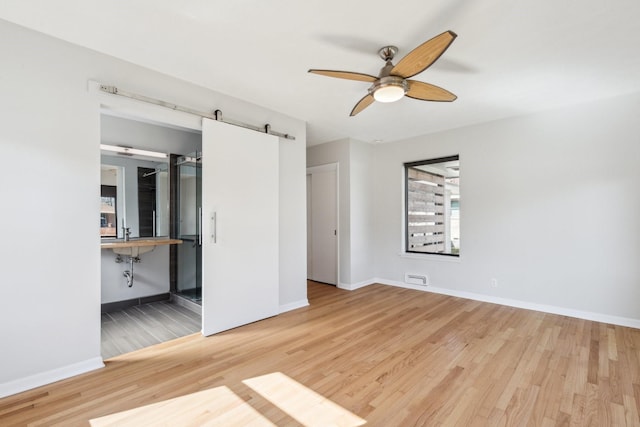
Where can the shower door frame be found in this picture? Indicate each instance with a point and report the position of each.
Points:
(176, 185)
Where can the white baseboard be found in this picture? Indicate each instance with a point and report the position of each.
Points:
(48, 377)
(293, 305)
(579, 314)
(354, 286)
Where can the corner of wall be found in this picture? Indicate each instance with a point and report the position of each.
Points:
(354, 286)
(293, 306)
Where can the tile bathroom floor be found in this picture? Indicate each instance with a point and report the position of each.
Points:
(145, 325)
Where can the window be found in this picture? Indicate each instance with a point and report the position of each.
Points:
(108, 219)
(432, 206)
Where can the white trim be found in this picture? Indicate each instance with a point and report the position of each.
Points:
(47, 377)
(551, 309)
(142, 111)
(338, 225)
(354, 286)
(293, 305)
(322, 168)
(430, 257)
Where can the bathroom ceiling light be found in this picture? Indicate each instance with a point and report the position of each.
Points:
(130, 151)
(187, 159)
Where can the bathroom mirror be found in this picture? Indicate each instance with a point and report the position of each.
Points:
(134, 193)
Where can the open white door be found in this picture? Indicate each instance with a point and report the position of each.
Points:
(240, 226)
(323, 224)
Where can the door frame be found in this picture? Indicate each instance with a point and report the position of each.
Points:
(329, 167)
(133, 109)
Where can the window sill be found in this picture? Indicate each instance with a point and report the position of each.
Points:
(430, 257)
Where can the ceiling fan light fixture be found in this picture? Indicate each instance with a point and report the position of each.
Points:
(388, 94)
(389, 89)
(393, 81)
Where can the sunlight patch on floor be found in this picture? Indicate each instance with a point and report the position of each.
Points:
(301, 403)
(220, 406)
(214, 407)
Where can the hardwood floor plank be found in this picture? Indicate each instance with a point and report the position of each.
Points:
(388, 356)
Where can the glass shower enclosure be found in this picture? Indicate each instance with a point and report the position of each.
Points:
(189, 266)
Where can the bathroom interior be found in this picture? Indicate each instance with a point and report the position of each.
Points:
(150, 223)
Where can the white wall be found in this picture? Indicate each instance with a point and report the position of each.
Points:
(355, 219)
(49, 133)
(150, 276)
(293, 220)
(361, 176)
(550, 207)
(338, 152)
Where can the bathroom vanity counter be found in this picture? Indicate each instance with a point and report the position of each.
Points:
(135, 242)
(137, 246)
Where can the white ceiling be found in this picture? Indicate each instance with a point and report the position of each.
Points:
(511, 57)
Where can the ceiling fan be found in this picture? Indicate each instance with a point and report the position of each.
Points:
(393, 81)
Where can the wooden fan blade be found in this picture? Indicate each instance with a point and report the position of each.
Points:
(428, 92)
(345, 75)
(421, 58)
(362, 104)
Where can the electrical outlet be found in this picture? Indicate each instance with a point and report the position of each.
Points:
(494, 282)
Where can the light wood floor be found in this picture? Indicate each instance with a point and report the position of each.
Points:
(381, 355)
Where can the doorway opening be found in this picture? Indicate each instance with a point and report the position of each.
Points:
(322, 224)
(141, 201)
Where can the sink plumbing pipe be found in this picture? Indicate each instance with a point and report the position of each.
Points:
(129, 273)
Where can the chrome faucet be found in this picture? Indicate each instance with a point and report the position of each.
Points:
(126, 233)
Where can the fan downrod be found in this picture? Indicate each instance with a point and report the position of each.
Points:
(387, 53)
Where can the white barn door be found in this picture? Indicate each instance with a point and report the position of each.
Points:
(240, 181)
